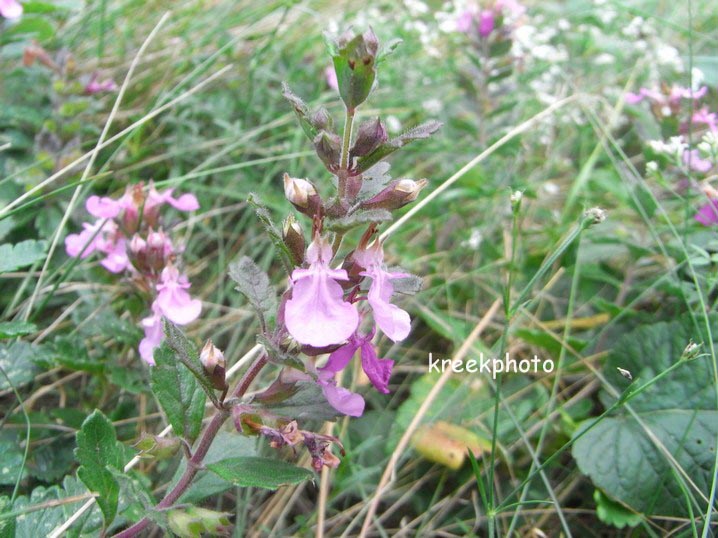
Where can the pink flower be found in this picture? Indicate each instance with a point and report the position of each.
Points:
(693, 159)
(116, 260)
(153, 334)
(10, 9)
(708, 213)
(465, 21)
(377, 370)
(708, 118)
(155, 199)
(317, 314)
(672, 98)
(341, 399)
(391, 319)
(513, 7)
(486, 22)
(173, 301)
(331, 76)
(86, 242)
(99, 86)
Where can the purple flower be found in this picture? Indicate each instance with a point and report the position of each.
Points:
(153, 334)
(486, 22)
(116, 260)
(693, 159)
(10, 9)
(708, 213)
(708, 118)
(660, 98)
(317, 314)
(173, 301)
(86, 242)
(155, 199)
(391, 319)
(341, 399)
(99, 86)
(377, 370)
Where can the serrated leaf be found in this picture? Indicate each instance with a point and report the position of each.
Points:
(258, 472)
(178, 392)
(21, 254)
(254, 284)
(11, 329)
(679, 410)
(98, 450)
(359, 218)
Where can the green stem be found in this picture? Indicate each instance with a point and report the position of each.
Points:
(348, 123)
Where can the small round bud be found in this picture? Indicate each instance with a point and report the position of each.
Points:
(214, 365)
(302, 194)
(596, 215)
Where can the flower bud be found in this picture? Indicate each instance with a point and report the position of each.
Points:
(293, 237)
(595, 215)
(156, 447)
(214, 365)
(321, 120)
(328, 147)
(159, 250)
(355, 65)
(397, 194)
(302, 194)
(371, 135)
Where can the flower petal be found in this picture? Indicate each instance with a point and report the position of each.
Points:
(103, 208)
(343, 400)
(391, 319)
(186, 202)
(377, 370)
(317, 314)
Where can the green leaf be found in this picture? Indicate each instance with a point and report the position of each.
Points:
(425, 130)
(38, 27)
(257, 472)
(98, 450)
(16, 362)
(254, 284)
(11, 329)
(178, 392)
(679, 410)
(613, 513)
(20, 255)
(188, 355)
(276, 237)
(358, 219)
(355, 66)
(207, 484)
(301, 400)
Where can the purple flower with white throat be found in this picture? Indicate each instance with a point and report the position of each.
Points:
(391, 319)
(317, 314)
(173, 300)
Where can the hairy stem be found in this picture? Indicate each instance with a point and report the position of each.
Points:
(344, 162)
(195, 462)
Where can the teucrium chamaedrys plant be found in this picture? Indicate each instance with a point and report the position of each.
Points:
(338, 299)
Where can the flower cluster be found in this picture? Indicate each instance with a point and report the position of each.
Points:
(668, 105)
(337, 303)
(496, 16)
(128, 234)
